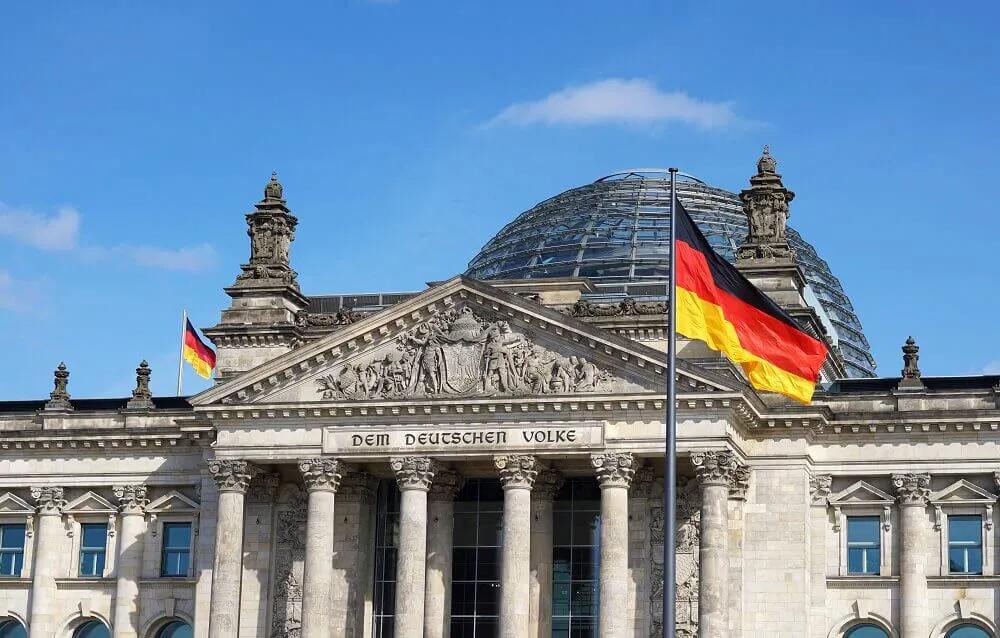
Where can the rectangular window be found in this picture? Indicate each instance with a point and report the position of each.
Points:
(864, 546)
(965, 544)
(176, 556)
(11, 549)
(93, 548)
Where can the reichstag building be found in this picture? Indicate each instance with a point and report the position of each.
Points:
(484, 458)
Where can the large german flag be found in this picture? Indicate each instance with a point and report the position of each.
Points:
(716, 304)
(200, 356)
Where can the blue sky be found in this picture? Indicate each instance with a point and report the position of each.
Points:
(134, 136)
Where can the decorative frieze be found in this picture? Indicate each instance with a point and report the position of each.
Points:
(627, 307)
(321, 474)
(413, 472)
(819, 488)
(49, 500)
(232, 476)
(614, 469)
(131, 498)
(516, 470)
(912, 488)
(547, 484)
(446, 486)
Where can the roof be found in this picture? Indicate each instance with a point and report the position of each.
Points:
(94, 405)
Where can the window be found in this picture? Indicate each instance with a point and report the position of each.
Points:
(386, 545)
(475, 573)
(11, 550)
(92, 629)
(93, 549)
(965, 544)
(866, 631)
(576, 535)
(863, 545)
(175, 559)
(968, 631)
(11, 629)
(175, 629)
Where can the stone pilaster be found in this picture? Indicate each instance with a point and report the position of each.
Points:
(517, 475)
(47, 556)
(440, 531)
(414, 475)
(913, 491)
(232, 478)
(716, 471)
(614, 473)
(258, 545)
(543, 493)
(132, 503)
(819, 490)
(640, 544)
(351, 569)
(322, 478)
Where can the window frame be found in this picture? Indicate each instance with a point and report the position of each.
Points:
(947, 542)
(172, 507)
(963, 498)
(90, 508)
(15, 511)
(877, 518)
(162, 525)
(5, 522)
(81, 549)
(863, 499)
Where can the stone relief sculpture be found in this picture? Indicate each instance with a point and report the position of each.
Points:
(271, 228)
(344, 317)
(765, 204)
(687, 539)
(626, 307)
(458, 354)
(289, 560)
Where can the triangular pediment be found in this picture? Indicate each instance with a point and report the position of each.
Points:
(173, 501)
(11, 504)
(89, 503)
(962, 492)
(861, 493)
(461, 339)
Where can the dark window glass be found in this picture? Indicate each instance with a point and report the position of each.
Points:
(175, 560)
(968, 631)
(386, 544)
(863, 545)
(475, 589)
(965, 544)
(93, 549)
(866, 631)
(176, 629)
(11, 549)
(576, 559)
(12, 629)
(92, 629)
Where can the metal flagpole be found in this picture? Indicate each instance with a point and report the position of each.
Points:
(180, 355)
(670, 460)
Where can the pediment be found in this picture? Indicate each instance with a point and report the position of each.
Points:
(962, 492)
(860, 493)
(11, 504)
(461, 339)
(89, 503)
(173, 501)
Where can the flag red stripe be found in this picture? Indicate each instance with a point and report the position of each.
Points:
(192, 341)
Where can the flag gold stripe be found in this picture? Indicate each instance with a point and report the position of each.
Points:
(200, 366)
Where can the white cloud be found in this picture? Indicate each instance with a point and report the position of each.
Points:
(58, 232)
(993, 367)
(19, 295)
(617, 101)
(194, 259)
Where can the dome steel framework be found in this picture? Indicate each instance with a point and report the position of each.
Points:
(615, 231)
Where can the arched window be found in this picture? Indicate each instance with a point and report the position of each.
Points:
(968, 631)
(10, 628)
(92, 629)
(176, 629)
(866, 631)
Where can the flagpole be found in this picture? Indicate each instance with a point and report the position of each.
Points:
(180, 355)
(670, 458)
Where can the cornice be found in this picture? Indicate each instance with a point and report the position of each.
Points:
(95, 439)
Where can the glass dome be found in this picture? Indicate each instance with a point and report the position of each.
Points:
(616, 232)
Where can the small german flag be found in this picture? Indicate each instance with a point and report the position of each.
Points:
(200, 356)
(718, 305)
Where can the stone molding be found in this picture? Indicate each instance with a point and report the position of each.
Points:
(131, 498)
(413, 472)
(547, 484)
(50, 500)
(357, 487)
(819, 488)
(321, 475)
(715, 467)
(232, 476)
(446, 486)
(614, 469)
(642, 483)
(516, 470)
(263, 487)
(912, 488)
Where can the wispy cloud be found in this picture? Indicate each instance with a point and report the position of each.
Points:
(993, 367)
(20, 295)
(61, 233)
(617, 101)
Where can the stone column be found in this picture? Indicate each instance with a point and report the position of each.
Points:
(322, 477)
(132, 503)
(913, 491)
(543, 493)
(614, 473)
(517, 474)
(231, 480)
(48, 532)
(414, 475)
(440, 530)
(715, 470)
(819, 490)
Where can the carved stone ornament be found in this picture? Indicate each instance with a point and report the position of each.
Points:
(457, 354)
(142, 397)
(642, 483)
(59, 397)
(614, 469)
(740, 482)
(321, 474)
(232, 476)
(819, 488)
(49, 499)
(912, 488)
(547, 485)
(765, 204)
(357, 487)
(688, 534)
(516, 470)
(413, 472)
(446, 486)
(346, 317)
(911, 371)
(271, 228)
(131, 498)
(263, 487)
(627, 307)
(715, 467)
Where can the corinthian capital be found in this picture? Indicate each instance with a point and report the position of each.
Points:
(232, 476)
(819, 488)
(321, 475)
(413, 472)
(614, 469)
(516, 470)
(716, 467)
(446, 485)
(50, 499)
(547, 484)
(912, 488)
(131, 498)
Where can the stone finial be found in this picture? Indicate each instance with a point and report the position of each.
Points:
(446, 486)
(413, 472)
(271, 228)
(912, 488)
(910, 357)
(273, 190)
(321, 474)
(49, 499)
(516, 470)
(819, 488)
(614, 469)
(59, 397)
(131, 498)
(142, 397)
(232, 476)
(765, 204)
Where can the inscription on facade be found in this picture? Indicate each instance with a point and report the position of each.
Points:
(507, 438)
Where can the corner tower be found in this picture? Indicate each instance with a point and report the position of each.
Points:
(259, 324)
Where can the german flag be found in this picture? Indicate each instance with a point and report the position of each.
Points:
(718, 305)
(200, 356)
